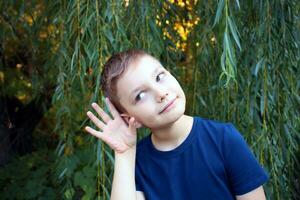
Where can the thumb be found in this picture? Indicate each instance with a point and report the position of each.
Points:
(132, 127)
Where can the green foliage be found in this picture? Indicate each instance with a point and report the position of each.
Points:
(29, 177)
(250, 47)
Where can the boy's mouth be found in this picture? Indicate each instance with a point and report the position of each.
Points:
(168, 105)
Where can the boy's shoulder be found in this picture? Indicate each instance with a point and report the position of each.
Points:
(212, 126)
(220, 129)
(212, 122)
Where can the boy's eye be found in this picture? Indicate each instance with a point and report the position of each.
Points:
(138, 97)
(141, 94)
(160, 76)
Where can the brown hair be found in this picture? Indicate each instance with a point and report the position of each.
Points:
(113, 70)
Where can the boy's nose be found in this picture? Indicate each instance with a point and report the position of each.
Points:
(161, 96)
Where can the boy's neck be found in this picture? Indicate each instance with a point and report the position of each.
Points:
(168, 138)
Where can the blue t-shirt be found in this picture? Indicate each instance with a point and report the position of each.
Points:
(213, 162)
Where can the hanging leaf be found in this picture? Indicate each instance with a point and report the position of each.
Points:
(219, 12)
(234, 32)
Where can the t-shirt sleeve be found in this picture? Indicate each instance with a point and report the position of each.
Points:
(244, 172)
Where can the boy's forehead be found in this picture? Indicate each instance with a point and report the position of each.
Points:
(144, 61)
(141, 68)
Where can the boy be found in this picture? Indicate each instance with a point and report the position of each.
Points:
(184, 157)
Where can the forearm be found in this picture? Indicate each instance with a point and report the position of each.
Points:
(257, 194)
(123, 186)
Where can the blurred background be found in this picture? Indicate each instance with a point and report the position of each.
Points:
(238, 61)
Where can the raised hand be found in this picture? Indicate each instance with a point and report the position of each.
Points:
(114, 132)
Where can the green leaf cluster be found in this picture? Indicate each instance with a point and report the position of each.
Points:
(241, 65)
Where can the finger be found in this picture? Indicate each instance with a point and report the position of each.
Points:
(132, 126)
(112, 108)
(105, 117)
(96, 121)
(107, 140)
(93, 132)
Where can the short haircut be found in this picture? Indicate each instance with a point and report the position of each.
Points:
(113, 69)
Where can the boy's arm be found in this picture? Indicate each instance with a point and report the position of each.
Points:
(140, 195)
(121, 137)
(123, 186)
(257, 194)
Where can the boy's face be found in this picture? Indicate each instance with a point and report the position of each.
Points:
(145, 89)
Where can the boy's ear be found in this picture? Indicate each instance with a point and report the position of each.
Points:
(127, 117)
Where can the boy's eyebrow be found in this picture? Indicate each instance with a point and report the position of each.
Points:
(136, 89)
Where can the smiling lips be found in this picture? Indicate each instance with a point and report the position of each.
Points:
(168, 105)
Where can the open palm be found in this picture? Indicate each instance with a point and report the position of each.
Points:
(114, 132)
